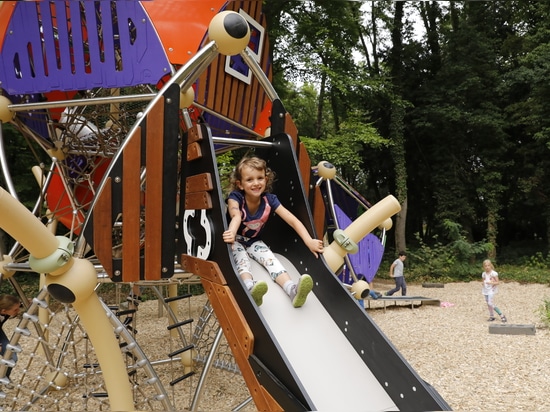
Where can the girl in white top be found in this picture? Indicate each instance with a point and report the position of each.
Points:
(490, 282)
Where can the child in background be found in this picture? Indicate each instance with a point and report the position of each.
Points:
(397, 273)
(490, 282)
(373, 293)
(249, 206)
(9, 308)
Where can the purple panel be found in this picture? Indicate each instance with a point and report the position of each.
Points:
(42, 52)
(367, 260)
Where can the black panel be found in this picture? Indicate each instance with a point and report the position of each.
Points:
(405, 387)
(194, 232)
(170, 178)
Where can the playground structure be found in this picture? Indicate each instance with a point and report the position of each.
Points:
(131, 116)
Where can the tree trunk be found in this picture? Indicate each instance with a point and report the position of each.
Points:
(320, 104)
(492, 231)
(400, 222)
(396, 127)
(398, 155)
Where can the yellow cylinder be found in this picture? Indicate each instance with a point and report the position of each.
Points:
(109, 355)
(6, 115)
(22, 225)
(360, 227)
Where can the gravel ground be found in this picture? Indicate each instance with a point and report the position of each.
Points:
(450, 346)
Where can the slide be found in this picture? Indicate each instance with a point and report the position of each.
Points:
(327, 355)
(331, 371)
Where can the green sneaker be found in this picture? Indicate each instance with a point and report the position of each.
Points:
(258, 291)
(299, 292)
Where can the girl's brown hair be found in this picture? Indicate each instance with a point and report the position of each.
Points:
(8, 301)
(256, 163)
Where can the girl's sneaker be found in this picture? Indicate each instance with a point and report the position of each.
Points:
(258, 291)
(492, 318)
(503, 319)
(298, 293)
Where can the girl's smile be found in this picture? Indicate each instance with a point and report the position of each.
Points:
(253, 182)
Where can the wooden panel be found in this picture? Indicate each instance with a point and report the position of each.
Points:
(228, 95)
(200, 182)
(240, 339)
(291, 129)
(319, 212)
(212, 80)
(131, 206)
(207, 269)
(304, 163)
(196, 201)
(251, 101)
(194, 135)
(103, 239)
(194, 151)
(154, 191)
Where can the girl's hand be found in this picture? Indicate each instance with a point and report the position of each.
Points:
(315, 246)
(228, 236)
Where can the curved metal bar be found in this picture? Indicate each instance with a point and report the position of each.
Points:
(186, 73)
(206, 370)
(94, 101)
(4, 165)
(226, 119)
(241, 142)
(259, 73)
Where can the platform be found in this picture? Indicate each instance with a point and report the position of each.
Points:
(409, 300)
(512, 329)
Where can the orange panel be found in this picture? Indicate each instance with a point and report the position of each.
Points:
(131, 206)
(319, 212)
(182, 25)
(103, 235)
(6, 10)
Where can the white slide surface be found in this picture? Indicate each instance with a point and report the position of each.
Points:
(332, 373)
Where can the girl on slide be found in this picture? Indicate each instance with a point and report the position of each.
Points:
(249, 206)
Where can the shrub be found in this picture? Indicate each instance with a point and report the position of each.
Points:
(544, 312)
(456, 260)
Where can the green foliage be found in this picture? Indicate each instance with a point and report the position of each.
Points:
(29, 283)
(544, 312)
(225, 167)
(348, 158)
(522, 274)
(456, 260)
(539, 261)
(21, 156)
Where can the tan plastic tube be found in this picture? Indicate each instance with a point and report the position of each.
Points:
(79, 277)
(360, 227)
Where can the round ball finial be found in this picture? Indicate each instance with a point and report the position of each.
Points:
(187, 98)
(230, 31)
(6, 115)
(360, 289)
(386, 224)
(326, 170)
